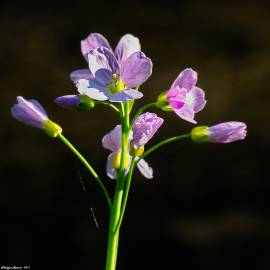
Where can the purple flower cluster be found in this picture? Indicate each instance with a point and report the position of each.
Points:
(115, 76)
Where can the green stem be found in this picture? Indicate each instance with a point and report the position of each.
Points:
(125, 197)
(141, 110)
(166, 141)
(88, 166)
(113, 237)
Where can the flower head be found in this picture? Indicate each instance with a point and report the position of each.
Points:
(221, 133)
(143, 130)
(30, 112)
(184, 97)
(112, 75)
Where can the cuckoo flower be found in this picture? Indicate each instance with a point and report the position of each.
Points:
(114, 80)
(184, 97)
(30, 112)
(143, 130)
(126, 46)
(221, 133)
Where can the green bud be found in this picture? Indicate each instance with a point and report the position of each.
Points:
(51, 128)
(200, 134)
(162, 102)
(86, 103)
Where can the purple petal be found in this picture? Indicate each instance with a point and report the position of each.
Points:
(186, 79)
(92, 89)
(92, 42)
(227, 132)
(68, 101)
(30, 112)
(195, 99)
(136, 70)
(176, 97)
(144, 128)
(186, 113)
(127, 45)
(103, 64)
(110, 170)
(80, 74)
(145, 169)
(125, 95)
(112, 140)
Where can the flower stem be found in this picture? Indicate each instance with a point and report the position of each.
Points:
(88, 166)
(108, 104)
(113, 237)
(166, 141)
(141, 110)
(125, 197)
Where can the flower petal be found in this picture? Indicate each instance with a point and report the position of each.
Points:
(186, 113)
(112, 140)
(92, 89)
(68, 101)
(30, 112)
(227, 132)
(110, 170)
(92, 42)
(103, 61)
(80, 74)
(195, 98)
(145, 169)
(125, 95)
(127, 45)
(136, 69)
(186, 79)
(176, 97)
(144, 128)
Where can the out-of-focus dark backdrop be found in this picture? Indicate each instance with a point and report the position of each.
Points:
(208, 205)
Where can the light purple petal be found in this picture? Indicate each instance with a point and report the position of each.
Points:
(186, 79)
(30, 112)
(127, 45)
(125, 95)
(176, 97)
(92, 89)
(227, 132)
(68, 101)
(144, 128)
(81, 74)
(145, 169)
(112, 140)
(186, 113)
(103, 64)
(195, 98)
(136, 70)
(92, 42)
(110, 170)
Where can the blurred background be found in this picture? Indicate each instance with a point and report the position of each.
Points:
(207, 206)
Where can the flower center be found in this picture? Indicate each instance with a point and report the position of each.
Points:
(116, 85)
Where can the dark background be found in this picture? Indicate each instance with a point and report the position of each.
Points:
(208, 205)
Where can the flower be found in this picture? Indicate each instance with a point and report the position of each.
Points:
(183, 97)
(80, 102)
(143, 130)
(221, 133)
(127, 45)
(30, 112)
(113, 75)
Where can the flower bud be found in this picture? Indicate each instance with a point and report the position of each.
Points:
(221, 133)
(30, 112)
(80, 102)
